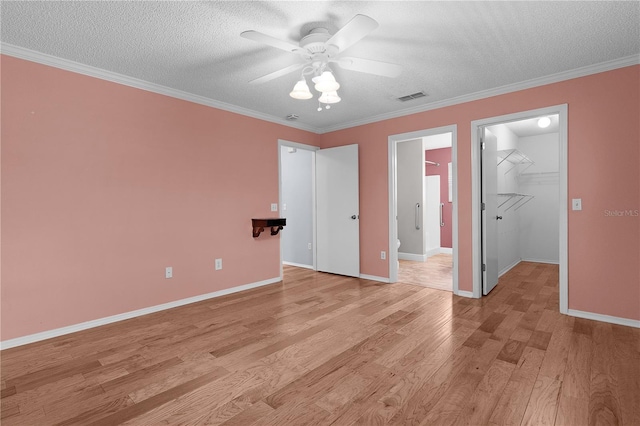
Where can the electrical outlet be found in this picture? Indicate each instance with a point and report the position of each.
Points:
(309, 246)
(218, 264)
(274, 207)
(168, 272)
(383, 255)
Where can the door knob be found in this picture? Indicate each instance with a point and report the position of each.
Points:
(354, 217)
(498, 217)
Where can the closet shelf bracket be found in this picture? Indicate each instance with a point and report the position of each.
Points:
(515, 158)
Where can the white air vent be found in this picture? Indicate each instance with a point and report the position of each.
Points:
(412, 96)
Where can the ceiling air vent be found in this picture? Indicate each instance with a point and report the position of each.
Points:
(292, 117)
(412, 96)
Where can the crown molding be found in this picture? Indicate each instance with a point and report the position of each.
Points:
(67, 65)
(528, 84)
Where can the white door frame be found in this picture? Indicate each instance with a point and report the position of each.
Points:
(476, 261)
(313, 149)
(393, 224)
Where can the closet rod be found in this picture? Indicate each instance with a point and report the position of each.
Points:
(432, 163)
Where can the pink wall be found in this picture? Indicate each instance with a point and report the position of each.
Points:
(104, 185)
(603, 153)
(443, 157)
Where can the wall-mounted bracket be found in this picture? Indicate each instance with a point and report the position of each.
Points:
(276, 224)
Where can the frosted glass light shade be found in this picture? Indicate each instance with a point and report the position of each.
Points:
(326, 82)
(544, 122)
(301, 90)
(330, 98)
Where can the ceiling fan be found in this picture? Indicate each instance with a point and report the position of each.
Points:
(318, 49)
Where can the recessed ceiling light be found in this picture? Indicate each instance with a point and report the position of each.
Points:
(544, 122)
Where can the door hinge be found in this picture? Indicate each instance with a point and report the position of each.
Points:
(482, 206)
(484, 267)
(482, 146)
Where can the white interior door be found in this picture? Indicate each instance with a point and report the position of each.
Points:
(337, 205)
(432, 214)
(490, 216)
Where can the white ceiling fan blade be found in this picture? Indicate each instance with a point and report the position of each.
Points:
(358, 27)
(270, 41)
(276, 74)
(368, 66)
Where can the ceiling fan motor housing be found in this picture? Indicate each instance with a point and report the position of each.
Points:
(319, 48)
(314, 42)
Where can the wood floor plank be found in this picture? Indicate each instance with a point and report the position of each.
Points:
(157, 400)
(323, 349)
(515, 397)
(541, 409)
(604, 407)
(462, 386)
(250, 416)
(430, 391)
(478, 408)
(409, 377)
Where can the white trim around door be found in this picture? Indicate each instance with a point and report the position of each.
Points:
(476, 240)
(393, 226)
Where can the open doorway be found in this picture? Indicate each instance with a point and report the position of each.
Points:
(318, 193)
(520, 195)
(422, 211)
(296, 163)
(297, 204)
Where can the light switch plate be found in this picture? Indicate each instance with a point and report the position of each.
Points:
(274, 207)
(576, 204)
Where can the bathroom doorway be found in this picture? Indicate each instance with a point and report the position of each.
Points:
(422, 183)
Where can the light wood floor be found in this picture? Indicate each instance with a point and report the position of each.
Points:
(321, 349)
(436, 272)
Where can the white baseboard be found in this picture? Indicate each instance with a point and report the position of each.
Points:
(297, 265)
(413, 257)
(433, 252)
(424, 257)
(19, 341)
(550, 262)
(374, 278)
(463, 293)
(510, 267)
(604, 318)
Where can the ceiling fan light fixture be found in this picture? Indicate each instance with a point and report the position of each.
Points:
(544, 122)
(301, 90)
(330, 98)
(326, 82)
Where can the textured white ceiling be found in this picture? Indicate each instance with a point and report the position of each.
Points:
(447, 49)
